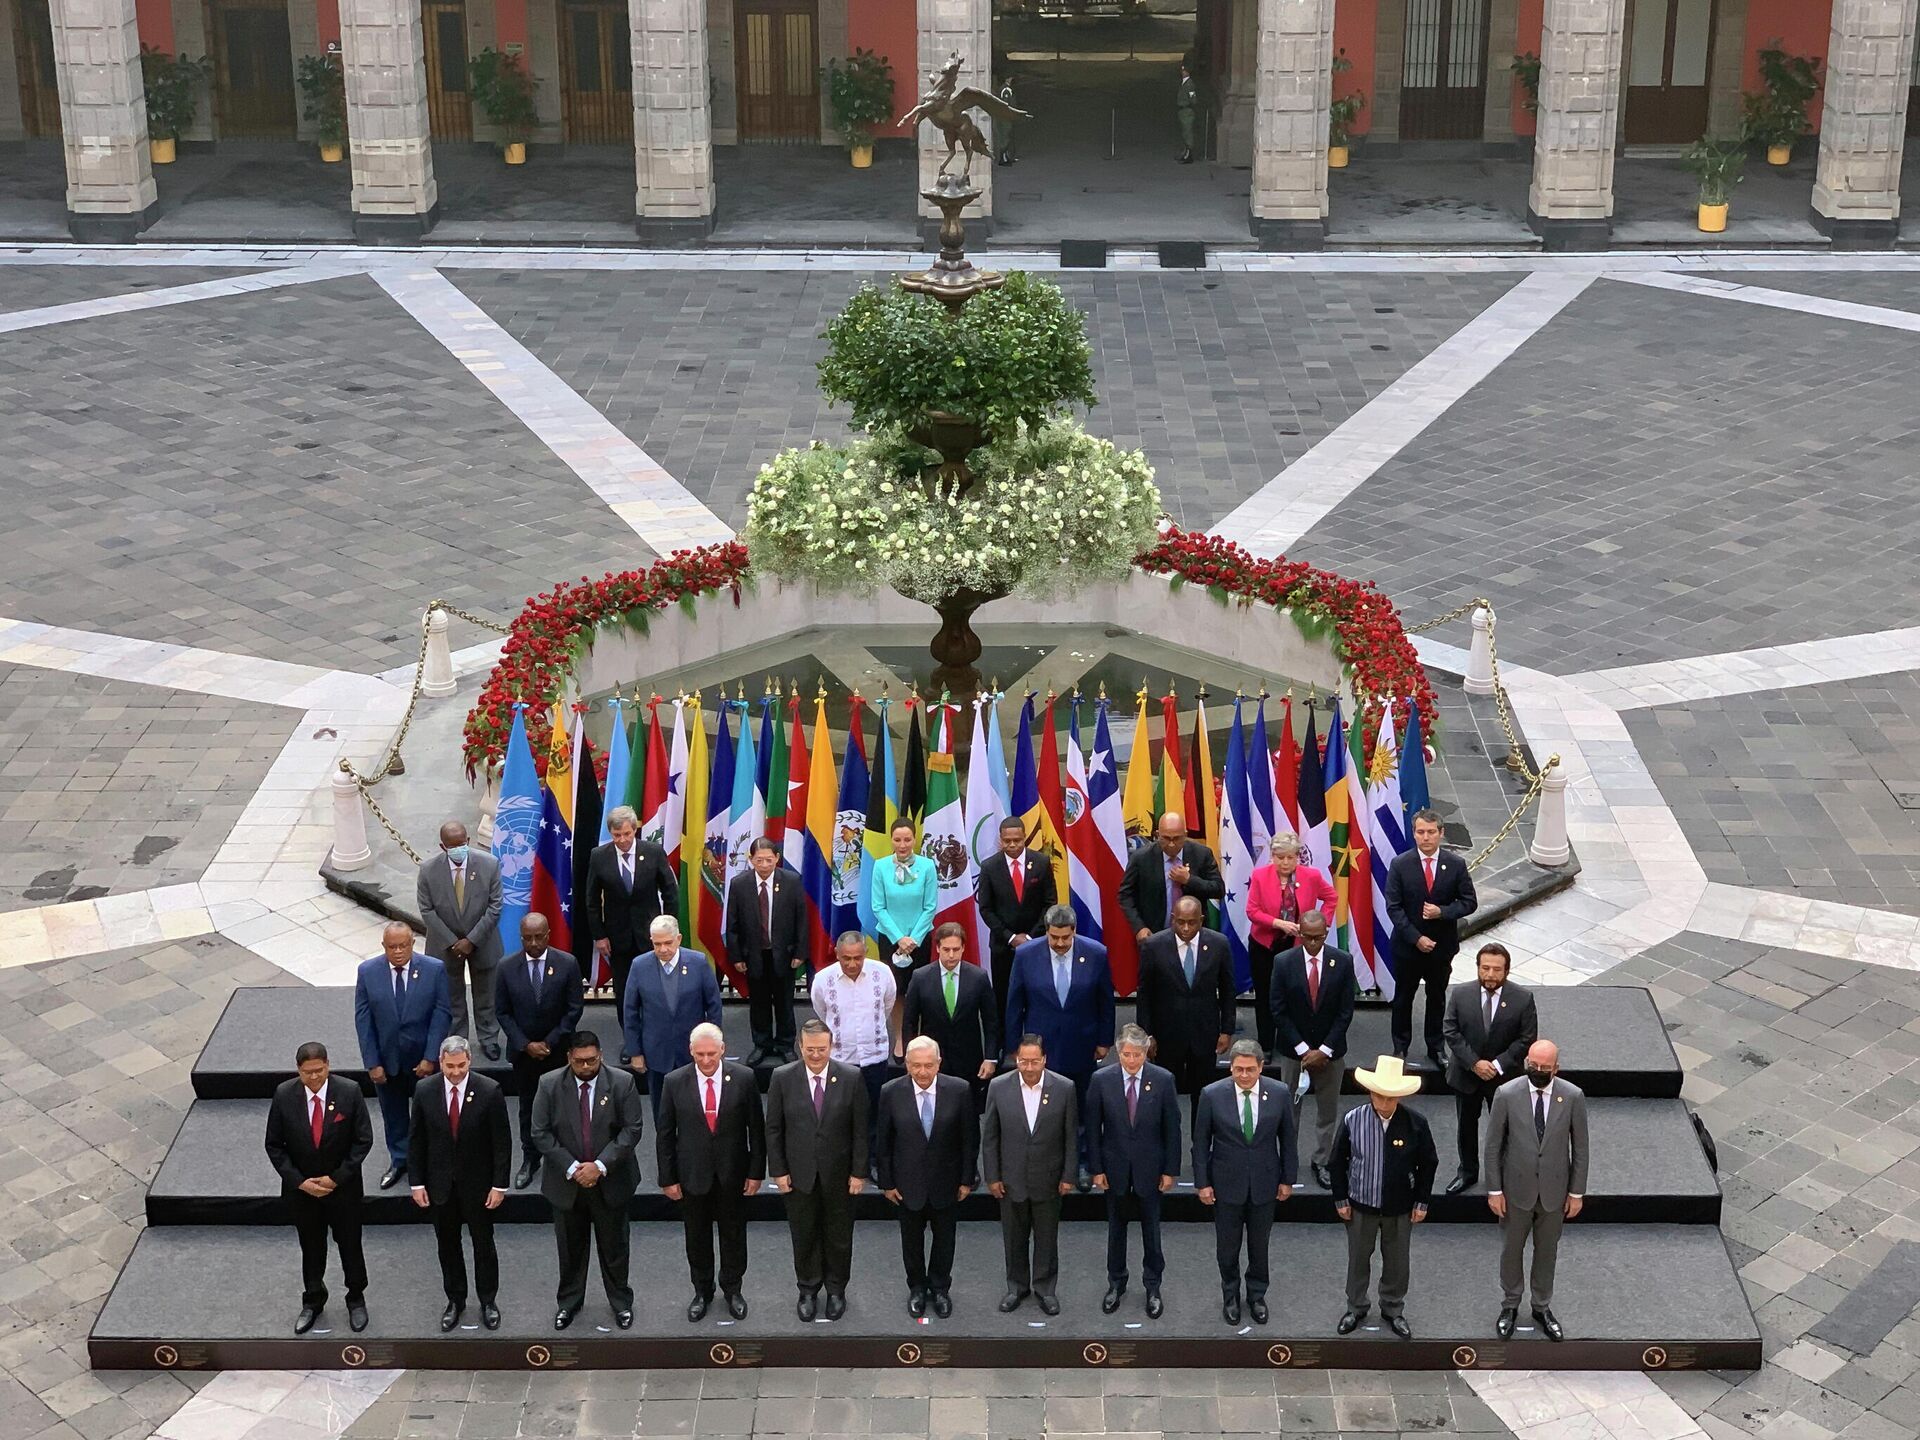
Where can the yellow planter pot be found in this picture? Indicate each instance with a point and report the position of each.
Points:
(1713, 218)
(516, 153)
(161, 151)
(331, 154)
(862, 156)
(1779, 154)
(1337, 157)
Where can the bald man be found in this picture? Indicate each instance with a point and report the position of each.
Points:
(1160, 873)
(1536, 1169)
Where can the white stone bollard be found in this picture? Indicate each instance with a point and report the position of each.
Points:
(1550, 847)
(350, 849)
(1479, 679)
(436, 668)
(489, 802)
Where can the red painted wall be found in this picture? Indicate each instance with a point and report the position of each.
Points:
(889, 28)
(1353, 32)
(156, 23)
(1803, 27)
(1526, 39)
(510, 24)
(327, 22)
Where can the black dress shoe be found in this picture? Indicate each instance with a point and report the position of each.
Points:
(1230, 1310)
(1503, 1327)
(356, 1315)
(1460, 1182)
(1350, 1322)
(563, 1317)
(807, 1307)
(1010, 1301)
(942, 1304)
(916, 1303)
(1258, 1310)
(1323, 1177)
(1085, 1180)
(490, 1050)
(1434, 1062)
(1550, 1325)
(523, 1177)
(757, 1056)
(392, 1176)
(697, 1308)
(450, 1316)
(489, 1314)
(1110, 1301)
(303, 1322)
(836, 1305)
(737, 1305)
(623, 1318)
(1048, 1304)
(1155, 1305)
(1398, 1324)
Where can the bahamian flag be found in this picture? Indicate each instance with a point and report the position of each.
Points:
(516, 831)
(1236, 854)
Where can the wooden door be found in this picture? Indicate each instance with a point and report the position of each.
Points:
(253, 91)
(33, 54)
(1443, 79)
(443, 25)
(596, 92)
(1913, 96)
(777, 70)
(1668, 56)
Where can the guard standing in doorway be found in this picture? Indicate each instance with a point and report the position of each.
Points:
(1003, 130)
(1186, 104)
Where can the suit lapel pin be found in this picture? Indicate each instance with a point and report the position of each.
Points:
(603, 1099)
(416, 973)
(549, 972)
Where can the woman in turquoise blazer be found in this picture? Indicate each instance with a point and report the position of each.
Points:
(905, 893)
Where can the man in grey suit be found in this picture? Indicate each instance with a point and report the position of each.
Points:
(459, 899)
(586, 1126)
(817, 1157)
(1028, 1151)
(1536, 1168)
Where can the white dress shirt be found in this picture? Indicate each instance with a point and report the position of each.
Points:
(1030, 1102)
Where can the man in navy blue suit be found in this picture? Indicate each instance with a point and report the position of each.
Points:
(401, 1013)
(1244, 1159)
(1133, 1147)
(667, 995)
(538, 999)
(1061, 990)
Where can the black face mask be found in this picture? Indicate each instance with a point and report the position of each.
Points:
(1540, 1078)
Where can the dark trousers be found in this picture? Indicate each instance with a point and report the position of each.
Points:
(723, 1208)
(1253, 1220)
(622, 966)
(873, 1077)
(1467, 1107)
(1080, 1084)
(1030, 1230)
(592, 1223)
(929, 1271)
(1409, 971)
(821, 1222)
(1153, 1261)
(526, 1079)
(1261, 958)
(396, 1112)
(770, 1001)
(1002, 966)
(447, 1220)
(313, 1218)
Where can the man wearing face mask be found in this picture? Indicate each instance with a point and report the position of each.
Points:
(1536, 1167)
(458, 892)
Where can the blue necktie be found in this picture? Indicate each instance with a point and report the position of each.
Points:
(1062, 978)
(926, 1113)
(1186, 962)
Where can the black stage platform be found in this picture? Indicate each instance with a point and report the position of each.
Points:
(1631, 1297)
(1611, 1039)
(1647, 1166)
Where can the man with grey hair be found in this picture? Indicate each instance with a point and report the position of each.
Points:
(712, 1148)
(1133, 1145)
(928, 1159)
(628, 883)
(1244, 1160)
(1061, 990)
(459, 1150)
(856, 1000)
(667, 994)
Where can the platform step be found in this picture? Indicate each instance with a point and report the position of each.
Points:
(1611, 1039)
(1648, 1167)
(1630, 1297)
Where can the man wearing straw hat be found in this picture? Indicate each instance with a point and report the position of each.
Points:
(1383, 1168)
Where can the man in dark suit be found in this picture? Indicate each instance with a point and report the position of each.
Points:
(1429, 893)
(1490, 1023)
(952, 1001)
(1027, 1150)
(539, 997)
(586, 1125)
(712, 1144)
(929, 1150)
(629, 883)
(669, 991)
(1186, 998)
(766, 931)
(1244, 1160)
(817, 1156)
(1313, 991)
(458, 892)
(1383, 1166)
(400, 1014)
(318, 1133)
(1160, 873)
(1061, 990)
(458, 1152)
(1015, 891)
(1133, 1145)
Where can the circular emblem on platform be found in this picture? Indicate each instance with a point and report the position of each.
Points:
(721, 1354)
(352, 1356)
(166, 1356)
(1095, 1354)
(1279, 1354)
(538, 1356)
(1465, 1357)
(908, 1354)
(1653, 1357)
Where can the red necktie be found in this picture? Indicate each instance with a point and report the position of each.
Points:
(318, 1129)
(1429, 864)
(1018, 869)
(1313, 981)
(453, 1112)
(713, 1106)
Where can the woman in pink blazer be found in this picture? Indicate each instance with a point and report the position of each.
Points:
(1278, 896)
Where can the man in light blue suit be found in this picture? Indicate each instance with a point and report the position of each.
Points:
(1060, 989)
(666, 997)
(401, 1013)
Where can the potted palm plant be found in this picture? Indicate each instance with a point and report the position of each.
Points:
(1341, 114)
(860, 95)
(173, 97)
(1777, 116)
(323, 88)
(503, 90)
(1717, 165)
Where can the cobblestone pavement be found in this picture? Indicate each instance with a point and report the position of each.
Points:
(1894, 292)
(32, 287)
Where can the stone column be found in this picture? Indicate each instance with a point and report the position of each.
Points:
(1295, 81)
(1570, 203)
(947, 26)
(672, 126)
(395, 198)
(1503, 43)
(1856, 190)
(1239, 83)
(103, 119)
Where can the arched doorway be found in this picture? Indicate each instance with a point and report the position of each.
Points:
(1669, 54)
